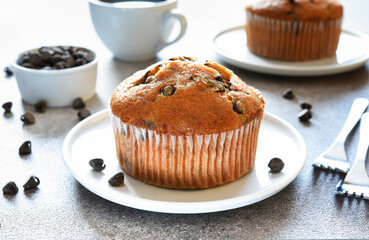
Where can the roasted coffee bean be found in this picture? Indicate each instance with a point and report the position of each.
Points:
(276, 165)
(47, 68)
(8, 107)
(288, 94)
(10, 188)
(239, 107)
(117, 180)
(83, 113)
(68, 60)
(28, 118)
(150, 79)
(40, 106)
(306, 105)
(35, 58)
(305, 115)
(28, 65)
(32, 182)
(168, 91)
(8, 72)
(97, 164)
(56, 58)
(25, 148)
(79, 62)
(78, 103)
(292, 1)
(59, 65)
(24, 59)
(58, 50)
(46, 55)
(219, 86)
(79, 54)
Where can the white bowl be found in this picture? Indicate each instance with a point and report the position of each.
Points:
(59, 88)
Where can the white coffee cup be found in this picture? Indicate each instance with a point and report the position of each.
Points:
(136, 30)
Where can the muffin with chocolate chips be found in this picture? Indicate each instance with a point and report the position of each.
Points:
(293, 29)
(182, 123)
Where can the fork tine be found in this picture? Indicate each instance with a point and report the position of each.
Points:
(334, 159)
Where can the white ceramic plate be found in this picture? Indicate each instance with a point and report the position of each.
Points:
(93, 137)
(352, 52)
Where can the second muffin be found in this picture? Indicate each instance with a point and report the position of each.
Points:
(185, 124)
(293, 29)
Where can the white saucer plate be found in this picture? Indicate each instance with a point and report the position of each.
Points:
(352, 53)
(93, 138)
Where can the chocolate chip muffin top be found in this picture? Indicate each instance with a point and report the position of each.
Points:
(301, 10)
(183, 96)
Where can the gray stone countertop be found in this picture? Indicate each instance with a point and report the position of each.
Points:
(61, 208)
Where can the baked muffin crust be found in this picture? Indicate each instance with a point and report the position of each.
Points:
(302, 10)
(183, 96)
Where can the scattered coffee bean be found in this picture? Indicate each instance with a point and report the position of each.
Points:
(78, 103)
(60, 57)
(288, 94)
(25, 148)
(306, 105)
(117, 180)
(83, 113)
(40, 106)
(8, 72)
(10, 188)
(8, 107)
(276, 165)
(32, 182)
(150, 79)
(305, 115)
(97, 164)
(168, 91)
(28, 118)
(239, 107)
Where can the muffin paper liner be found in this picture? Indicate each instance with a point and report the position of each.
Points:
(290, 39)
(185, 162)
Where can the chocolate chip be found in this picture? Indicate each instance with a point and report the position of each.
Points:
(288, 94)
(8, 72)
(239, 107)
(150, 79)
(97, 164)
(78, 103)
(276, 165)
(25, 148)
(168, 91)
(306, 105)
(305, 115)
(150, 124)
(219, 86)
(10, 188)
(8, 107)
(32, 182)
(219, 77)
(83, 113)
(28, 118)
(117, 180)
(40, 106)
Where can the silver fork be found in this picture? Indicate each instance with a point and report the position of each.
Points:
(356, 182)
(335, 158)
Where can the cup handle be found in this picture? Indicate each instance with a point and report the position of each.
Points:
(183, 24)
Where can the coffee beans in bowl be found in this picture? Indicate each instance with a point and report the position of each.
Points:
(56, 74)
